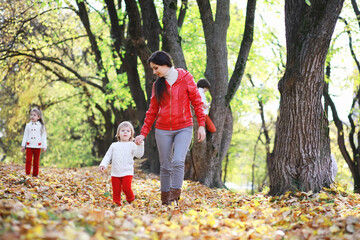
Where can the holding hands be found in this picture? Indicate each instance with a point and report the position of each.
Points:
(139, 139)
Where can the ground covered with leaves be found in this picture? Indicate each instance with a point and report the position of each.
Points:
(76, 204)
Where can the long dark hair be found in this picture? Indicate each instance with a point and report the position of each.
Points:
(160, 58)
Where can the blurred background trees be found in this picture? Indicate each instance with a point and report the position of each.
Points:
(83, 64)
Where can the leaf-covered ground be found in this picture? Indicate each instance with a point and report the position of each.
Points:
(76, 204)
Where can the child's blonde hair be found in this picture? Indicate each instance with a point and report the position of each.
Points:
(125, 124)
(41, 118)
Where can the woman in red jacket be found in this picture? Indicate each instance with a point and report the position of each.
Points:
(172, 93)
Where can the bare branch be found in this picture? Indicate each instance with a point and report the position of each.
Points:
(246, 43)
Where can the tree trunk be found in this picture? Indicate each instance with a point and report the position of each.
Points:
(152, 163)
(151, 26)
(301, 155)
(207, 156)
(352, 162)
(171, 39)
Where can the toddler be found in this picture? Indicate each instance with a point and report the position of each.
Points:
(121, 155)
(204, 86)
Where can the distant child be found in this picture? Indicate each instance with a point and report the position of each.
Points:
(204, 86)
(34, 140)
(121, 156)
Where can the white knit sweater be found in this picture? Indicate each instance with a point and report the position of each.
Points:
(203, 99)
(121, 156)
(33, 137)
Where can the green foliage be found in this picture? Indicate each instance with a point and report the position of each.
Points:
(70, 138)
(193, 42)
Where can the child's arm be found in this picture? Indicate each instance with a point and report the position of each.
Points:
(26, 133)
(138, 150)
(107, 158)
(206, 105)
(44, 140)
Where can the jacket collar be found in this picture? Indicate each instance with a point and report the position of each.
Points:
(181, 74)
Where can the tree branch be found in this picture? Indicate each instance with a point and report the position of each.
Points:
(246, 43)
(53, 60)
(350, 43)
(182, 13)
(356, 11)
(340, 133)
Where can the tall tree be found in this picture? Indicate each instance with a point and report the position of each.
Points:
(352, 159)
(206, 157)
(301, 154)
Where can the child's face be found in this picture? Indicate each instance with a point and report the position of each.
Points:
(34, 117)
(205, 89)
(125, 134)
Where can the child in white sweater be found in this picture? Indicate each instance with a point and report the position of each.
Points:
(33, 141)
(121, 156)
(204, 86)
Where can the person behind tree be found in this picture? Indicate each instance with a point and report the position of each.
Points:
(33, 141)
(204, 86)
(334, 167)
(172, 93)
(121, 156)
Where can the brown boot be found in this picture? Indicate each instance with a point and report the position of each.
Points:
(174, 196)
(165, 198)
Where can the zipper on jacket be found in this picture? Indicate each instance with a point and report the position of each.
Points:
(170, 110)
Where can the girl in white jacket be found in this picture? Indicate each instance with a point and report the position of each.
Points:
(121, 156)
(33, 141)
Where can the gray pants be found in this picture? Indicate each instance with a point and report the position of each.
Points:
(172, 146)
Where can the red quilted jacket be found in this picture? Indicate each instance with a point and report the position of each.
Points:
(174, 110)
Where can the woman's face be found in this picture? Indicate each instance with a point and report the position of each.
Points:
(159, 70)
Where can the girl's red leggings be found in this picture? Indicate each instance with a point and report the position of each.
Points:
(122, 184)
(30, 152)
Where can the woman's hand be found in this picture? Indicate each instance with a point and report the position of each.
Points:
(102, 169)
(201, 134)
(139, 139)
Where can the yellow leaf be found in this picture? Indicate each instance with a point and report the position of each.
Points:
(256, 203)
(192, 212)
(304, 218)
(323, 196)
(284, 209)
(211, 220)
(340, 188)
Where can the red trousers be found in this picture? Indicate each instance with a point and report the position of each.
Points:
(122, 184)
(209, 124)
(30, 153)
